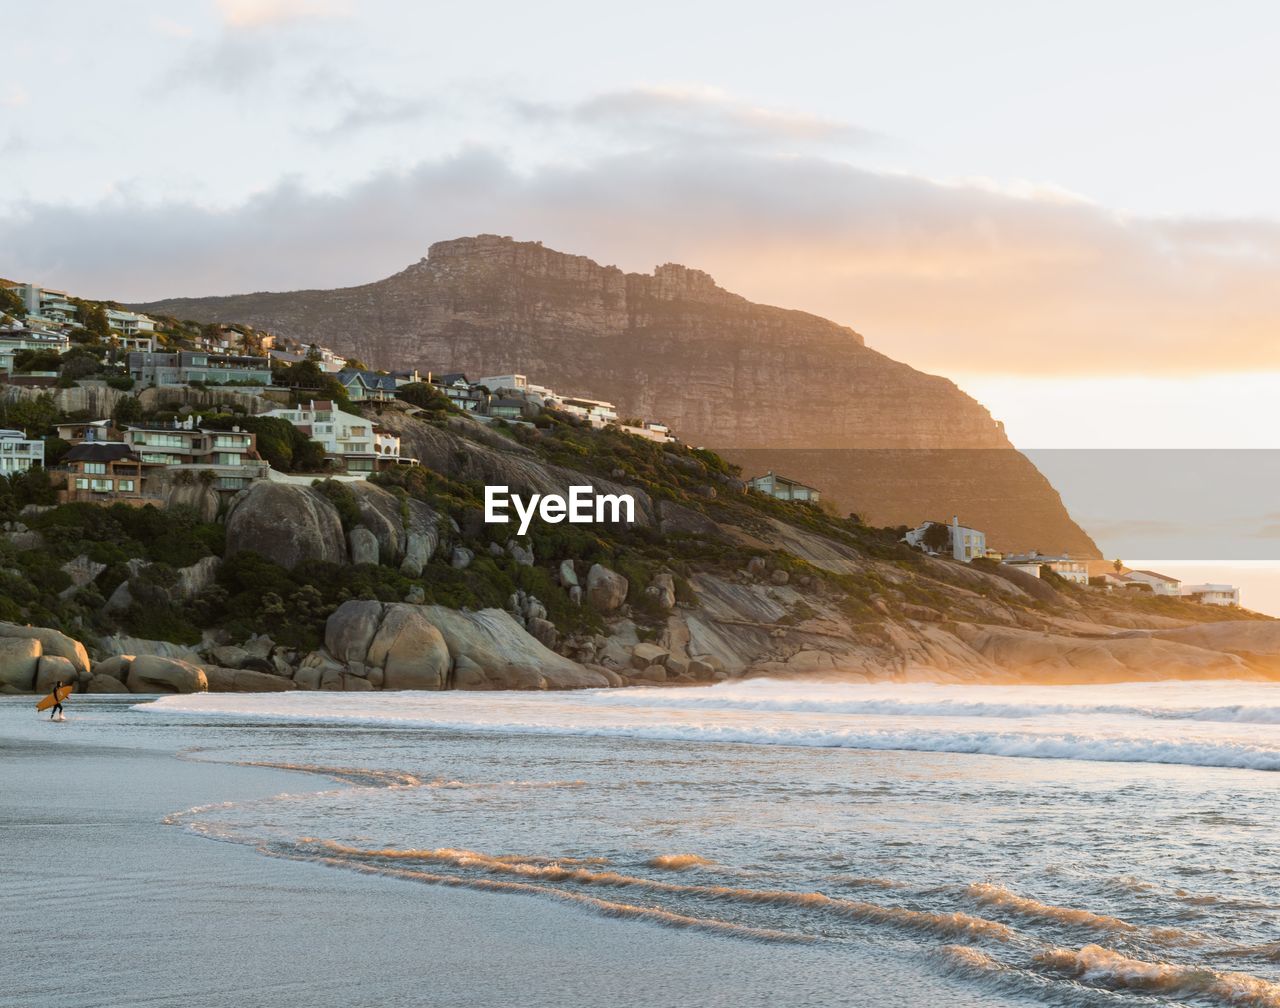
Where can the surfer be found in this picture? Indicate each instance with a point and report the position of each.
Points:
(57, 701)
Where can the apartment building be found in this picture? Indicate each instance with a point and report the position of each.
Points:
(186, 366)
(18, 453)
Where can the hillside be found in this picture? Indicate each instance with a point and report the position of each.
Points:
(398, 583)
(769, 387)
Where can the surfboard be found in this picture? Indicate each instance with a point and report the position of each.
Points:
(51, 699)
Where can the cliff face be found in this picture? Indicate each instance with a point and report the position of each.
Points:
(770, 387)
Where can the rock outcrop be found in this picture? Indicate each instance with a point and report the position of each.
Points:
(881, 438)
(397, 646)
(286, 524)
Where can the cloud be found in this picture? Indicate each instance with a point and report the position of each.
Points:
(670, 116)
(954, 276)
(256, 13)
(1268, 532)
(14, 96)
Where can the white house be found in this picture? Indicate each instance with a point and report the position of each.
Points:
(359, 444)
(1160, 584)
(965, 544)
(1212, 594)
(1064, 566)
(18, 453)
(128, 323)
(651, 431)
(784, 489)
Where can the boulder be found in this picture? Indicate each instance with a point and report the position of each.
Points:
(286, 524)
(116, 667)
(522, 555)
(418, 550)
(416, 595)
(575, 595)
(18, 659)
(363, 546)
(461, 558)
(653, 674)
(543, 631)
(409, 651)
(381, 515)
(644, 654)
(153, 674)
(779, 577)
(350, 629)
(52, 669)
(568, 574)
(606, 589)
(82, 570)
(229, 656)
(230, 680)
(198, 577)
(504, 654)
(52, 642)
(663, 588)
(676, 666)
(755, 566)
(701, 669)
(106, 684)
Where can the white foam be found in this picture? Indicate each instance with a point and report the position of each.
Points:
(1078, 722)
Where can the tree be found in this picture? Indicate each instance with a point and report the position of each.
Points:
(1118, 565)
(35, 416)
(424, 396)
(128, 411)
(94, 318)
(11, 303)
(78, 364)
(937, 537)
(356, 364)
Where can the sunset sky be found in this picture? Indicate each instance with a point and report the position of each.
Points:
(1071, 211)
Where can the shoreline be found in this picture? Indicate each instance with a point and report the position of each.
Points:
(111, 907)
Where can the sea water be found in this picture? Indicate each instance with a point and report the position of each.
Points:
(1081, 845)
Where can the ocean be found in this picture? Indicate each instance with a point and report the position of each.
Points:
(1061, 845)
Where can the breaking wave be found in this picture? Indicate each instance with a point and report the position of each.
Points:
(988, 895)
(1106, 968)
(946, 924)
(596, 716)
(678, 862)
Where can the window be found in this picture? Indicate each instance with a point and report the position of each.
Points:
(82, 483)
(95, 468)
(125, 485)
(100, 485)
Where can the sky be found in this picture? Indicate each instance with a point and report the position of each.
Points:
(1071, 211)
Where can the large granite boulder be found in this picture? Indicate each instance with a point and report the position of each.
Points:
(286, 524)
(350, 629)
(18, 659)
(500, 654)
(53, 643)
(363, 545)
(230, 680)
(51, 669)
(606, 589)
(409, 650)
(153, 674)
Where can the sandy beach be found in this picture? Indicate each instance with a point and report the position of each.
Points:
(106, 905)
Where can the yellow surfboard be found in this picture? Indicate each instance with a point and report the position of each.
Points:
(55, 698)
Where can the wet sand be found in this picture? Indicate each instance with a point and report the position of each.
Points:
(106, 905)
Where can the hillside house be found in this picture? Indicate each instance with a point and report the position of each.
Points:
(78, 431)
(188, 366)
(18, 453)
(1212, 594)
(367, 386)
(459, 391)
(960, 541)
(1064, 566)
(355, 445)
(783, 488)
(103, 473)
(1159, 584)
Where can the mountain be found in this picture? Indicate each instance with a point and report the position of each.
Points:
(765, 386)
